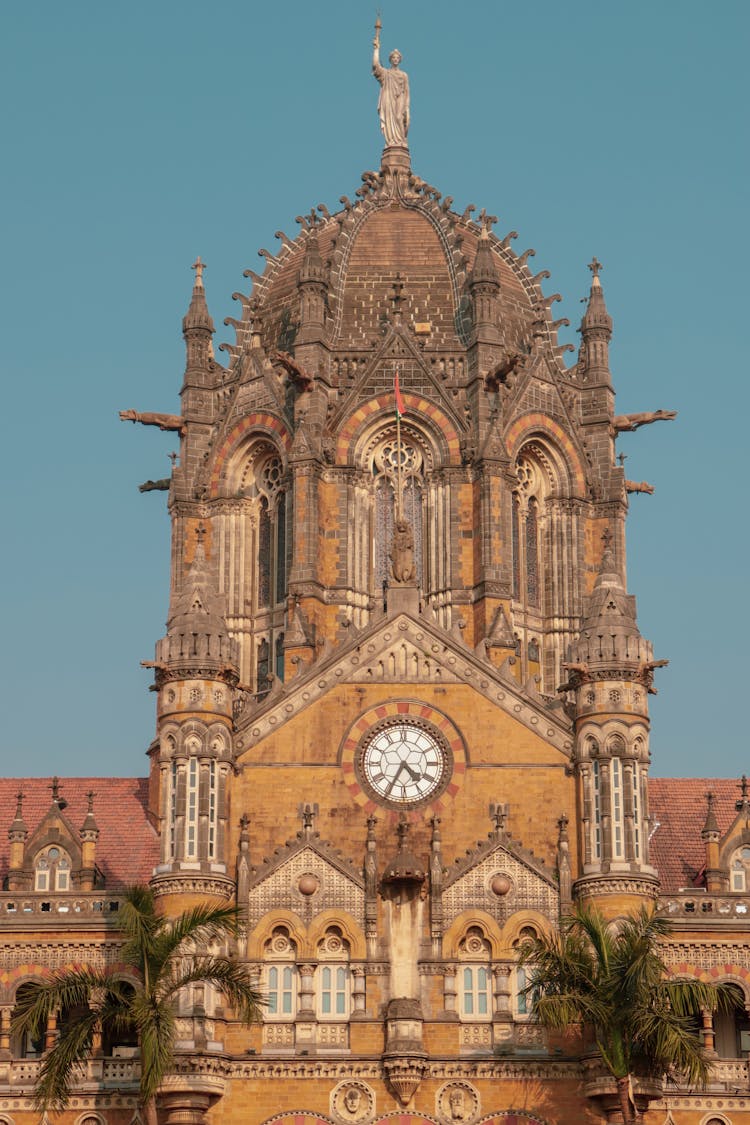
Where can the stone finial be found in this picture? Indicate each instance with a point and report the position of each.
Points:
(199, 267)
(197, 319)
(307, 814)
(89, 828)
(56, 798)
(18, 830)
(596, 267)
(498, 815)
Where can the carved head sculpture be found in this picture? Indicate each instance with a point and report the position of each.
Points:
(457, 1104)
(352, 1099)
(394, 58)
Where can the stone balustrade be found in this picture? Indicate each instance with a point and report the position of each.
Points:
(17, 907)
(697, 906)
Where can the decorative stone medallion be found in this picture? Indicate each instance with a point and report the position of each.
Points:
(352, 1101)
(457, 1101)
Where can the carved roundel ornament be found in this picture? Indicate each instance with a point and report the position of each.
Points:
(403, 755)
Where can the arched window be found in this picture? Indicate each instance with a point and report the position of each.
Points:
(121, 1041)
(522, 1000)
(52, 870)
(526, 538)
(616, 809)
(280, 976)
(475, 976)
(25, 1046)
(596, 801)
(739, 868)
(251, 549)
(271, 532)
(732, 1028)
(333, 978)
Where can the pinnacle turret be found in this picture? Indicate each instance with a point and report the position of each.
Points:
(596, 330)
(198, 316)
(198, 326)
(197, 630)
(609, 636)
(484, 284)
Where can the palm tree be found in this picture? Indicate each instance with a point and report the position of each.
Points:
(165, 955)
(611, 980)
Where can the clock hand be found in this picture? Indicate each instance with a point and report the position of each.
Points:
(412, 773)
(396, 776)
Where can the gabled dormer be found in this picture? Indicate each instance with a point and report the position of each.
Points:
(55, 858)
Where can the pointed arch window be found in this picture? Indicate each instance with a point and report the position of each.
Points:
(52, 870)
(271, 532)
(527, 512)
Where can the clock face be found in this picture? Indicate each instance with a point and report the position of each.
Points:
(404, 764)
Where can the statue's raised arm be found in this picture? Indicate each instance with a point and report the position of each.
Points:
(393, 103)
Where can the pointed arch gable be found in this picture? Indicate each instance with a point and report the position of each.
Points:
(383, 407)
(258, 423)
(540, 426)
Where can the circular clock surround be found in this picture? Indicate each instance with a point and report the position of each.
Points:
(403, 762)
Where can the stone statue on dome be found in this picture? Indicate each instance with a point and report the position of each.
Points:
(393, 103)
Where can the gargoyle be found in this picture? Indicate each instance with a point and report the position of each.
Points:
(639, 486)
(163, 421)
(493, 379)
(155, 485)
(646, 673)
(579, 675)
(624, 423)
(302, 379)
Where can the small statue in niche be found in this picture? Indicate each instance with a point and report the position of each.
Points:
(402, 552)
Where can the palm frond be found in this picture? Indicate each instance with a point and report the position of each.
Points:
(237, 985)
(155, 1023)
(59, 1067)
(65, 989)
(196, 928)
(142, 925)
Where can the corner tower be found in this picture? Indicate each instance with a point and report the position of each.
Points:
(611, 672)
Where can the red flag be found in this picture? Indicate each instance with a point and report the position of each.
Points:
(400, 404)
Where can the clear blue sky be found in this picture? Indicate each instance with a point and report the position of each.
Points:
(137, 136)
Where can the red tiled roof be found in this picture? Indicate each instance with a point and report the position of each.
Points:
(678, 807)
(127, 849)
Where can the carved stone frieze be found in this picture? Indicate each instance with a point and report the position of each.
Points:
(598, 885)
(191, 883)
